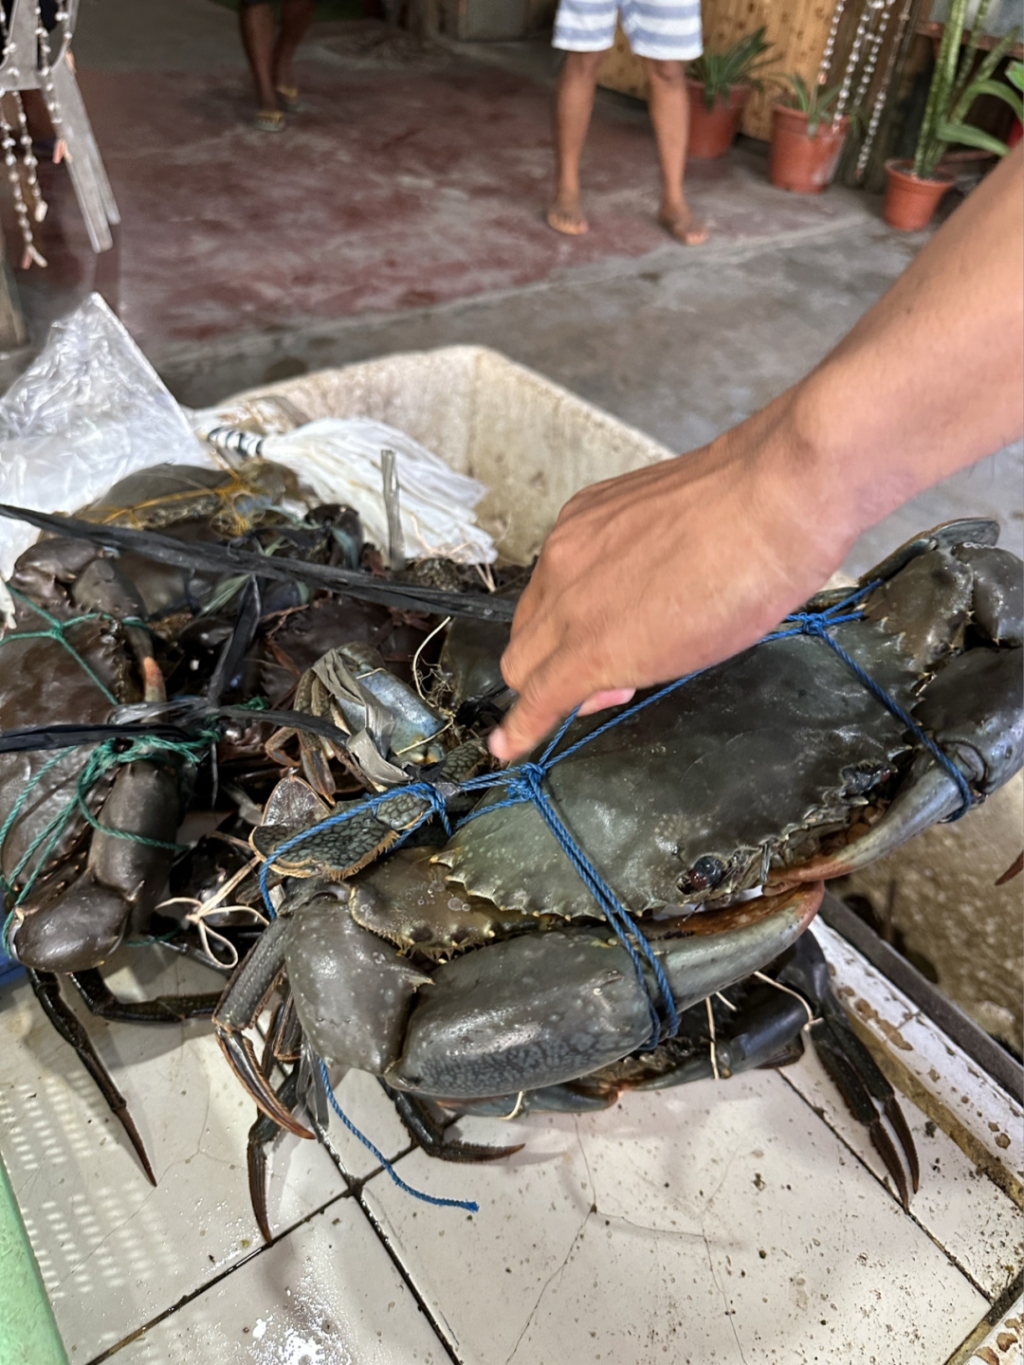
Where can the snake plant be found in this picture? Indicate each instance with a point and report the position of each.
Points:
(815, 101)
(954, 88)
(737, 65)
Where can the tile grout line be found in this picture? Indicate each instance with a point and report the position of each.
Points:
(406, 1275)
(997, 1309)
(217, 1279)
(356, 1185)
(954, 1262)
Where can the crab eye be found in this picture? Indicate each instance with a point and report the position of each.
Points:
(706, 872)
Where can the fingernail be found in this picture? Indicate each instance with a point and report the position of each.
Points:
(600, 701)
(498, 744)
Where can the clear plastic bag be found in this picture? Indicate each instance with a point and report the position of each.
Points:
(89, 410)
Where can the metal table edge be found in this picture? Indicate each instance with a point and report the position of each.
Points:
(994, 1060)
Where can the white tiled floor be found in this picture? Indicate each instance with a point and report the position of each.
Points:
(739, 1222)
(284, 1306)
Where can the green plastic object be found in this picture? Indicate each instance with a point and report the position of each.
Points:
(28, 1332)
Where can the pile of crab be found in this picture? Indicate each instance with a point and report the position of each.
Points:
(233, 730)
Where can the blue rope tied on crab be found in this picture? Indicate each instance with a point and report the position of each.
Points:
(818, 624)
(436, 805)
(524, 782)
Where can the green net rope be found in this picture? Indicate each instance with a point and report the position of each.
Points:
(105, 757)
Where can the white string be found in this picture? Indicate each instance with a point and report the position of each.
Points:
(197, 917)
(770, 980)
(422, 646)
(711, 1030)
(517, 1108)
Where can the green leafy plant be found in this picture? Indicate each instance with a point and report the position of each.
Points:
(737, 65)
(954, 88)
(816, 101)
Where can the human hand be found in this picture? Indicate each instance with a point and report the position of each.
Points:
(663, 571)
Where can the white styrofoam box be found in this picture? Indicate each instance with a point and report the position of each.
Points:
(533, 443)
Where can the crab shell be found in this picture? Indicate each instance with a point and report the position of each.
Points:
(41, 682)
(165, 494)
(779, 757)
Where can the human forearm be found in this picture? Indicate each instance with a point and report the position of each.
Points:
(931, 378)
(671, 568)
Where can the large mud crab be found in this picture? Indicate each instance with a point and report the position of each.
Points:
(481, 974)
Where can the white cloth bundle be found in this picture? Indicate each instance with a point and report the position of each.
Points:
(340, 460)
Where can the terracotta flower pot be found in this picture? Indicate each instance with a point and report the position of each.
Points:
(910, 202)
(798, 161)
(713, 131)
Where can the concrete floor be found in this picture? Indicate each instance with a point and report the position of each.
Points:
(405, 211)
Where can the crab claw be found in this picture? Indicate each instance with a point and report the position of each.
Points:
(974, 710)
(546, 1008)
(242, 1059)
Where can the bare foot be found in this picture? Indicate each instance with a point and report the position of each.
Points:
(678, 219)
(566, 215)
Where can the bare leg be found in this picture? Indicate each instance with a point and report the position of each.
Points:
(296, 17)
(257, 25)
(574, 104)
(670, 114)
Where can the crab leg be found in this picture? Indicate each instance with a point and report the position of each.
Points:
(262, 1132)
(876, 1085)
(46, 986)
(849, 1083)
(239, 1008)
(850, 1064)
(163, 1009)
(424, 1127)
(284, 1037)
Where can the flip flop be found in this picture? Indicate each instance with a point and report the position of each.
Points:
(269, 121)
(289, 96)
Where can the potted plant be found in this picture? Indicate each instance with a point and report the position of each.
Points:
(913, 189)
(720, 84)
(806, 138)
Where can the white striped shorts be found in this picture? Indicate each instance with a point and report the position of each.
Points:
(667, 30)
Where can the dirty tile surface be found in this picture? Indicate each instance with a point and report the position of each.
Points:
(114, 1252)
(706, 1223)
(328, 1292)
(739, 1221)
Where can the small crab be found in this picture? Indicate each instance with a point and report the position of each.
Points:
(350, 687)
(228, 500)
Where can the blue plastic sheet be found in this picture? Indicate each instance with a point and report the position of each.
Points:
(9, 971)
